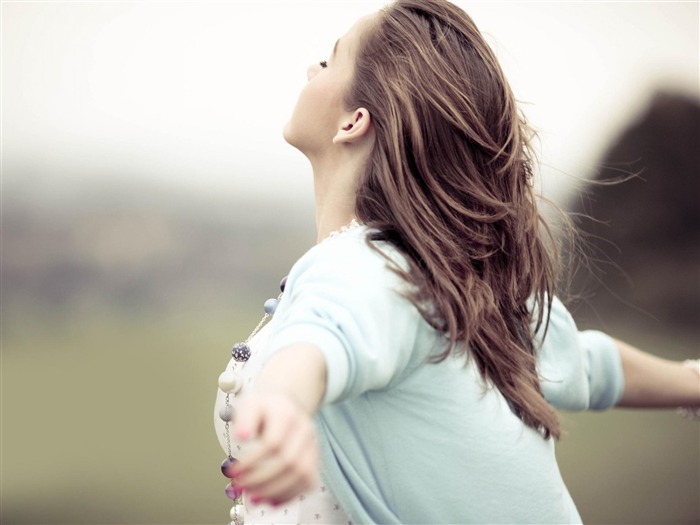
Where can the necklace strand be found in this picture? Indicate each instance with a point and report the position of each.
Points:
(231, 381)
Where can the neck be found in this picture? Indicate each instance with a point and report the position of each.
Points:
(335, 183)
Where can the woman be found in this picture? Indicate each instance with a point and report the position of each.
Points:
(417, 349)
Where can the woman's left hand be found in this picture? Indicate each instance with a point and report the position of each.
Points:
(281, 459)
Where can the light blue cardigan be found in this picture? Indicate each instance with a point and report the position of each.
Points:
(406, 441)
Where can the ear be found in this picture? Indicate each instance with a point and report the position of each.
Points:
(354, 127)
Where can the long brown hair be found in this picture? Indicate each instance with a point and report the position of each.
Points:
(449, 183)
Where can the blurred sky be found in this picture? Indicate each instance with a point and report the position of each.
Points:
(195, 94)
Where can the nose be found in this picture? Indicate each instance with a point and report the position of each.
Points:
(312, 70)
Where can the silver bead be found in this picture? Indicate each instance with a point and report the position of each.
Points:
(226, 413)
(230, 381)
(271, 306)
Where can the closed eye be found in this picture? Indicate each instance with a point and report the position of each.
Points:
(323, 63)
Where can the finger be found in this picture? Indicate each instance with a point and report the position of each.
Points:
(284, 478)
(276, 425)
(292, 482)
(251, 453)
(280, 460)
(263, 448)
(277, 421)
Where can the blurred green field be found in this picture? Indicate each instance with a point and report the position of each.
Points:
(108, 418)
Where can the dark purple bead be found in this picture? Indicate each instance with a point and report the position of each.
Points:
(240, 352)
(283, 283)
(232, 491)
(227, 467)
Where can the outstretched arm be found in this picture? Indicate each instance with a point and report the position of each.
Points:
(589, 370)
(653, 382)
(283, 460)
(330, 343)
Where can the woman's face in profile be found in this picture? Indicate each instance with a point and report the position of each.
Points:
(320, 109)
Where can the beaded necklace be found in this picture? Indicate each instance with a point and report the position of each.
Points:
(231, 381)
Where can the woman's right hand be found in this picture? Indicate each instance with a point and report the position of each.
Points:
(281, 458)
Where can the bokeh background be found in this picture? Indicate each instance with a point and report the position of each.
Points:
(150, 206)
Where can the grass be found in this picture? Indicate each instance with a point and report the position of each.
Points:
(108, 418)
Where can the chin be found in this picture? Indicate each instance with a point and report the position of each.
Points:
(289, 135)
(292, 138)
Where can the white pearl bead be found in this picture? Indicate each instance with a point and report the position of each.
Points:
(230, 382)
(237, 514)
(270, 306)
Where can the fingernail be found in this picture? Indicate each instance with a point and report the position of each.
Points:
(255, 499)
(275, 502)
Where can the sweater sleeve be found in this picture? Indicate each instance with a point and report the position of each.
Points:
(342, 298)
(578, 370)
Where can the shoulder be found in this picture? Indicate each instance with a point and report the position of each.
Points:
(349, 258)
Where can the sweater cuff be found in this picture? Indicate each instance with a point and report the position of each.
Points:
(607, 379)
(332, 349)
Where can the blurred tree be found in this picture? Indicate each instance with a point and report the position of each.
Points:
(643, 234)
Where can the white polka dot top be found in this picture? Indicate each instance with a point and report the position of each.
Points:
(317, 506)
